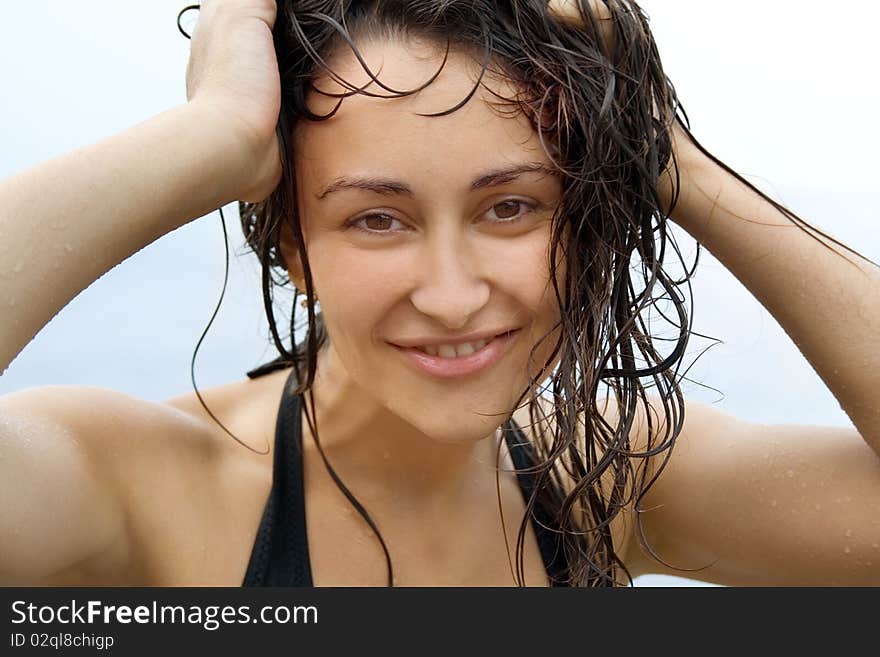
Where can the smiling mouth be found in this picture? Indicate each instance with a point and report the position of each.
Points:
(459, 360)
(460, 350)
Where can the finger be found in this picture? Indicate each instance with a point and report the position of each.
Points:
(569, 12)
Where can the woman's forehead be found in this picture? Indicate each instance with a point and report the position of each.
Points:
(368, 131)
(403, 64)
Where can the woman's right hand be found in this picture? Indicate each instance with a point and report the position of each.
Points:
(233, 75)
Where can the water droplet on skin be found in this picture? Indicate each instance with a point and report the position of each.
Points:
(729, 445)
(773, 503)
(803, 484)
(818, 507)
(846, 550)
(848, 533)
(68, 248)
(789, 473)
(876, 546)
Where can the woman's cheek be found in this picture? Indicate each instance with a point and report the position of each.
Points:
(357, 288)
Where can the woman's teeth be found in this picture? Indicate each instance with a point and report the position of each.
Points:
(454, 351)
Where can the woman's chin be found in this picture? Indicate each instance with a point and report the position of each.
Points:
(461, 432)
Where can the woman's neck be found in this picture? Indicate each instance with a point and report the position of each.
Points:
(370, 446)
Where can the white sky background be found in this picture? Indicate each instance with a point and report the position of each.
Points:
(784, 92)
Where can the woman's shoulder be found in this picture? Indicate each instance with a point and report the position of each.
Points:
(246, 408)
(214, 494)
(136, 475)
(103, 423)
(75, 459)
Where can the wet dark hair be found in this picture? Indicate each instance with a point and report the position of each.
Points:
(604, 113)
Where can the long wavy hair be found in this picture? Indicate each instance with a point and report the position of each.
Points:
(604, 113)
(604, 118)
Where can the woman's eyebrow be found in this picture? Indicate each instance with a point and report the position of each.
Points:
(388, 186)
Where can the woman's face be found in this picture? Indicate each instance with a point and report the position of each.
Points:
(423, 231)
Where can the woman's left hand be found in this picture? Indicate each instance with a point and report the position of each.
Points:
(568, 12)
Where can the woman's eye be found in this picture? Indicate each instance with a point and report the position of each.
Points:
(380, 223)
(508, 212)
(375, 223)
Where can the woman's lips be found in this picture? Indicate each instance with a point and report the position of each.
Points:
(450, 368)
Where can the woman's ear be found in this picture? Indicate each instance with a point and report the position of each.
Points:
(290, 253)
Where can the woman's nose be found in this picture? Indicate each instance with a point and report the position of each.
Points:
(452, 287)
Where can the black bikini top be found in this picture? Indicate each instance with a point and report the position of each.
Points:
(280, 556)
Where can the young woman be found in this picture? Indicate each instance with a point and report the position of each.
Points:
(476, 193)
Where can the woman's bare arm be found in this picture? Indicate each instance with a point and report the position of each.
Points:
(66, 222)
(63, 224)
(755, 504)
(826, 298)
